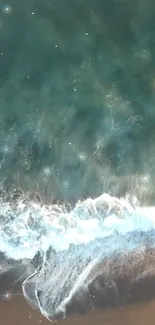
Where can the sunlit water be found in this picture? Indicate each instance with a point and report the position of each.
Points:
(70, 244)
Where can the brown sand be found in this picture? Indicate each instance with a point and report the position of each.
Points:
(134, 278)
(18, 312)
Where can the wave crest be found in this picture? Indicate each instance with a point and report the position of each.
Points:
(72, 246)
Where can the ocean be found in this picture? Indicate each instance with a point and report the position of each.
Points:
(77, 181)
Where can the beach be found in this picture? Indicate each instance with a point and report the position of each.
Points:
(124, 293)
(17, 311)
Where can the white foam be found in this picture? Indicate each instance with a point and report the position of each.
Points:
(80, 239)
(36, 228)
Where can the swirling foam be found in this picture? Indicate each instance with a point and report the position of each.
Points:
(71, 243)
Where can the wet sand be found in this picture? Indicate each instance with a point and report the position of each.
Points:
(129, 297)
(122, 289)
(17, 312)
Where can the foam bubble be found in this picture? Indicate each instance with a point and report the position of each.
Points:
(70, 244)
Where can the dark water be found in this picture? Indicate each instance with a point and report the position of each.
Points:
(77, 116)
(77, 82)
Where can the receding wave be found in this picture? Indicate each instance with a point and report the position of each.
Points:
(70, 245)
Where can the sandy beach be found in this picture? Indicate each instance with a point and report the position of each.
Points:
(129, 297)
(17, 311)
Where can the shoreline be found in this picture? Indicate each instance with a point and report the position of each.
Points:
(19, 311)
(117, 284)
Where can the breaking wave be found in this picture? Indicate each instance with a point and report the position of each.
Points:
(70, 244)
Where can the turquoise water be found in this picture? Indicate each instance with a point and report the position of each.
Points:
(76, 94)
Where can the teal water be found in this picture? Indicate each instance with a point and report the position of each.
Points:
(76, 94)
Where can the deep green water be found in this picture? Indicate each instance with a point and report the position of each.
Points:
(77, 94)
